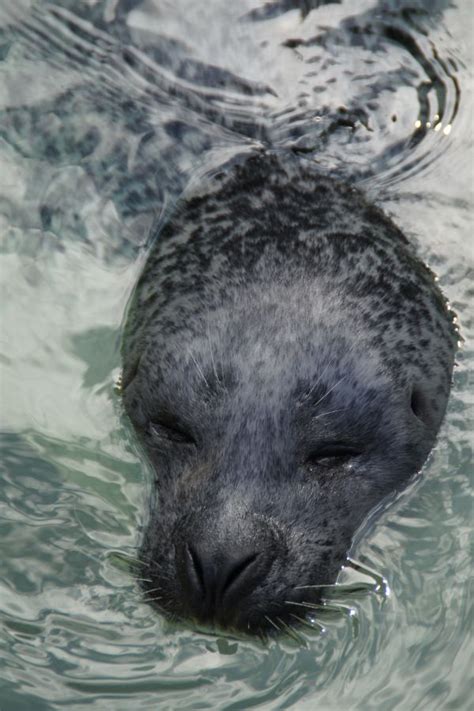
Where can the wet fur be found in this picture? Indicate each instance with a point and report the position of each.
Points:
(278, 310)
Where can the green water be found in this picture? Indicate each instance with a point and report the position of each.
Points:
(73, 487)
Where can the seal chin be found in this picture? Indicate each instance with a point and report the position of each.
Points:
(258, 613)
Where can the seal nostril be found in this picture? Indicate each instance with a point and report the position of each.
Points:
(237, 571)
(212, 577)
(197, 567)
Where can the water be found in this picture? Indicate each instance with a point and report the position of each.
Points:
(107, 110)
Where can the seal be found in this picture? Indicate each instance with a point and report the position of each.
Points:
(287, 364)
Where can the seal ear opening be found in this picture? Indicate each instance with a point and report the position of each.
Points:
(418, 405)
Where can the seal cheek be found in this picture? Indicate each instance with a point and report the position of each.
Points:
(192, 478)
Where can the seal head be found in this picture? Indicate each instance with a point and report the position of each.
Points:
(287, 363)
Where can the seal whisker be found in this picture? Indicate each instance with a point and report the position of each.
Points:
(309, 605)
(211, 353)
(161, 576)
(291, 632)
(313, 625)
(344, 610)
(330, 412)
(380, 581)
(329, 391)
(274, 624)
(316, 383)
(198, 368)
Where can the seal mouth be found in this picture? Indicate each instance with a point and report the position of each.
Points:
(221, 607)
(303, 607)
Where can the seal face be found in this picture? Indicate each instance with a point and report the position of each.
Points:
(287, 364)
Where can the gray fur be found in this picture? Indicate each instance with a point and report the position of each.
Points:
(279, 311)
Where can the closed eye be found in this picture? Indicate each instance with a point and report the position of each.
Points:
(169, 429)
(332, 454)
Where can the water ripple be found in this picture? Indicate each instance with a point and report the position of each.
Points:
(107, 110)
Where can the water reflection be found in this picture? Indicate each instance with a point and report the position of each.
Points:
(107, 111)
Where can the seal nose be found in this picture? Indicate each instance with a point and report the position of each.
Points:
(219, 575)
(212, 580)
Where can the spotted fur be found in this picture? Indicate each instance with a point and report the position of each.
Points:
(278, 311)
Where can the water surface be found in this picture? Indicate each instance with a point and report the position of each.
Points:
(107, 110)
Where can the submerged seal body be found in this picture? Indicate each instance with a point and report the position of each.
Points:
(287, 364)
